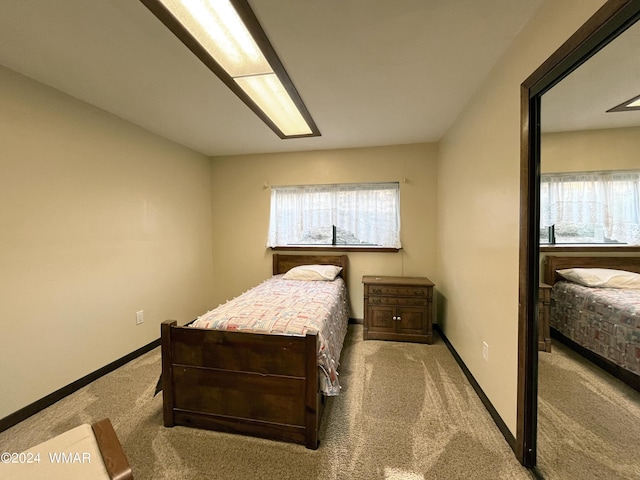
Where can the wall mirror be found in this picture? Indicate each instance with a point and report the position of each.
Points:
(589, 164)
(557, 104)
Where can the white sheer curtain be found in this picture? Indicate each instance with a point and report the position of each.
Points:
(607, 200)
(363, 214)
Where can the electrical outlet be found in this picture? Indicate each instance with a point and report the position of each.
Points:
(485, 351)
(139, 317)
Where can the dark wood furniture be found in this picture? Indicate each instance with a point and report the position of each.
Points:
(552, 263)
(111, 450)
(398, 308)
(544, 303)
(246, 383)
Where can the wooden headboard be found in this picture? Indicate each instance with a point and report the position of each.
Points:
(284, 263)
(553, 263)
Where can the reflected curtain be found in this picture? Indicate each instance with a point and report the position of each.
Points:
(607, 199)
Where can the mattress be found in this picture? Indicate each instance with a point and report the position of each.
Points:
(603, 320)
(291, 307)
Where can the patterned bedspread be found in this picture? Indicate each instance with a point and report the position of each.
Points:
(291, 307)
(604, 320)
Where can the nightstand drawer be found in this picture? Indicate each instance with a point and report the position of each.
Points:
(406, 301)
(398, 291)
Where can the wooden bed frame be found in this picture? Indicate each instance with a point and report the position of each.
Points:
(551, 263)
(246, 383)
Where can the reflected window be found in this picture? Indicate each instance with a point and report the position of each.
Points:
(590, 208)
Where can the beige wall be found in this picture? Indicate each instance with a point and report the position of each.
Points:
(241, 211)
(98, 219)
(590, 150)
(478, 208)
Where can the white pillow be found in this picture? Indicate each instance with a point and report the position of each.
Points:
(313, 272)
(601, 277)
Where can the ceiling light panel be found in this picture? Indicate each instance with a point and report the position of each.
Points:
(221, 32)
(226, 36)
(635, 103)
(272, 98)
(628, 106)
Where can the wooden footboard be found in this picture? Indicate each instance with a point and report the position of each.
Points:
(246, 383)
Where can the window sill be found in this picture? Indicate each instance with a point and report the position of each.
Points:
(589, 248)
(336, 248)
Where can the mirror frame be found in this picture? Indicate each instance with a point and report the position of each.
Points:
(613, 18)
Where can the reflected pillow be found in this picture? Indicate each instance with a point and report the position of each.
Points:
(601, 277)
(313, 272)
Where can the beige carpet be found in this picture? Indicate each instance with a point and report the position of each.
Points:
(588, 421)
(406, 412)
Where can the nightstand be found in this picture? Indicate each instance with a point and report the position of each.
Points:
(398, 308)
(544, 332)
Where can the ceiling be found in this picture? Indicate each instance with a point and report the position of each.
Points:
(609, 78)
(371, 72)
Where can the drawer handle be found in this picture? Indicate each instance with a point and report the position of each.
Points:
(375, 300)
(377, 290)
(418, 292)
(397, 318)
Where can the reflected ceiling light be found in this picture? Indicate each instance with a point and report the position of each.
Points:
(629, 105)
(635, 103)
(227, 37)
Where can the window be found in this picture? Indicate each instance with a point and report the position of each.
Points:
(362, 214)
(590, 207)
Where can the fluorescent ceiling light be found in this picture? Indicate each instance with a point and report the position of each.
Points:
(629, 105)
(272, 98)
(218, 28)
(226, 36)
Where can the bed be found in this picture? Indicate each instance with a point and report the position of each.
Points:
(602, 324)
(251, 382)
